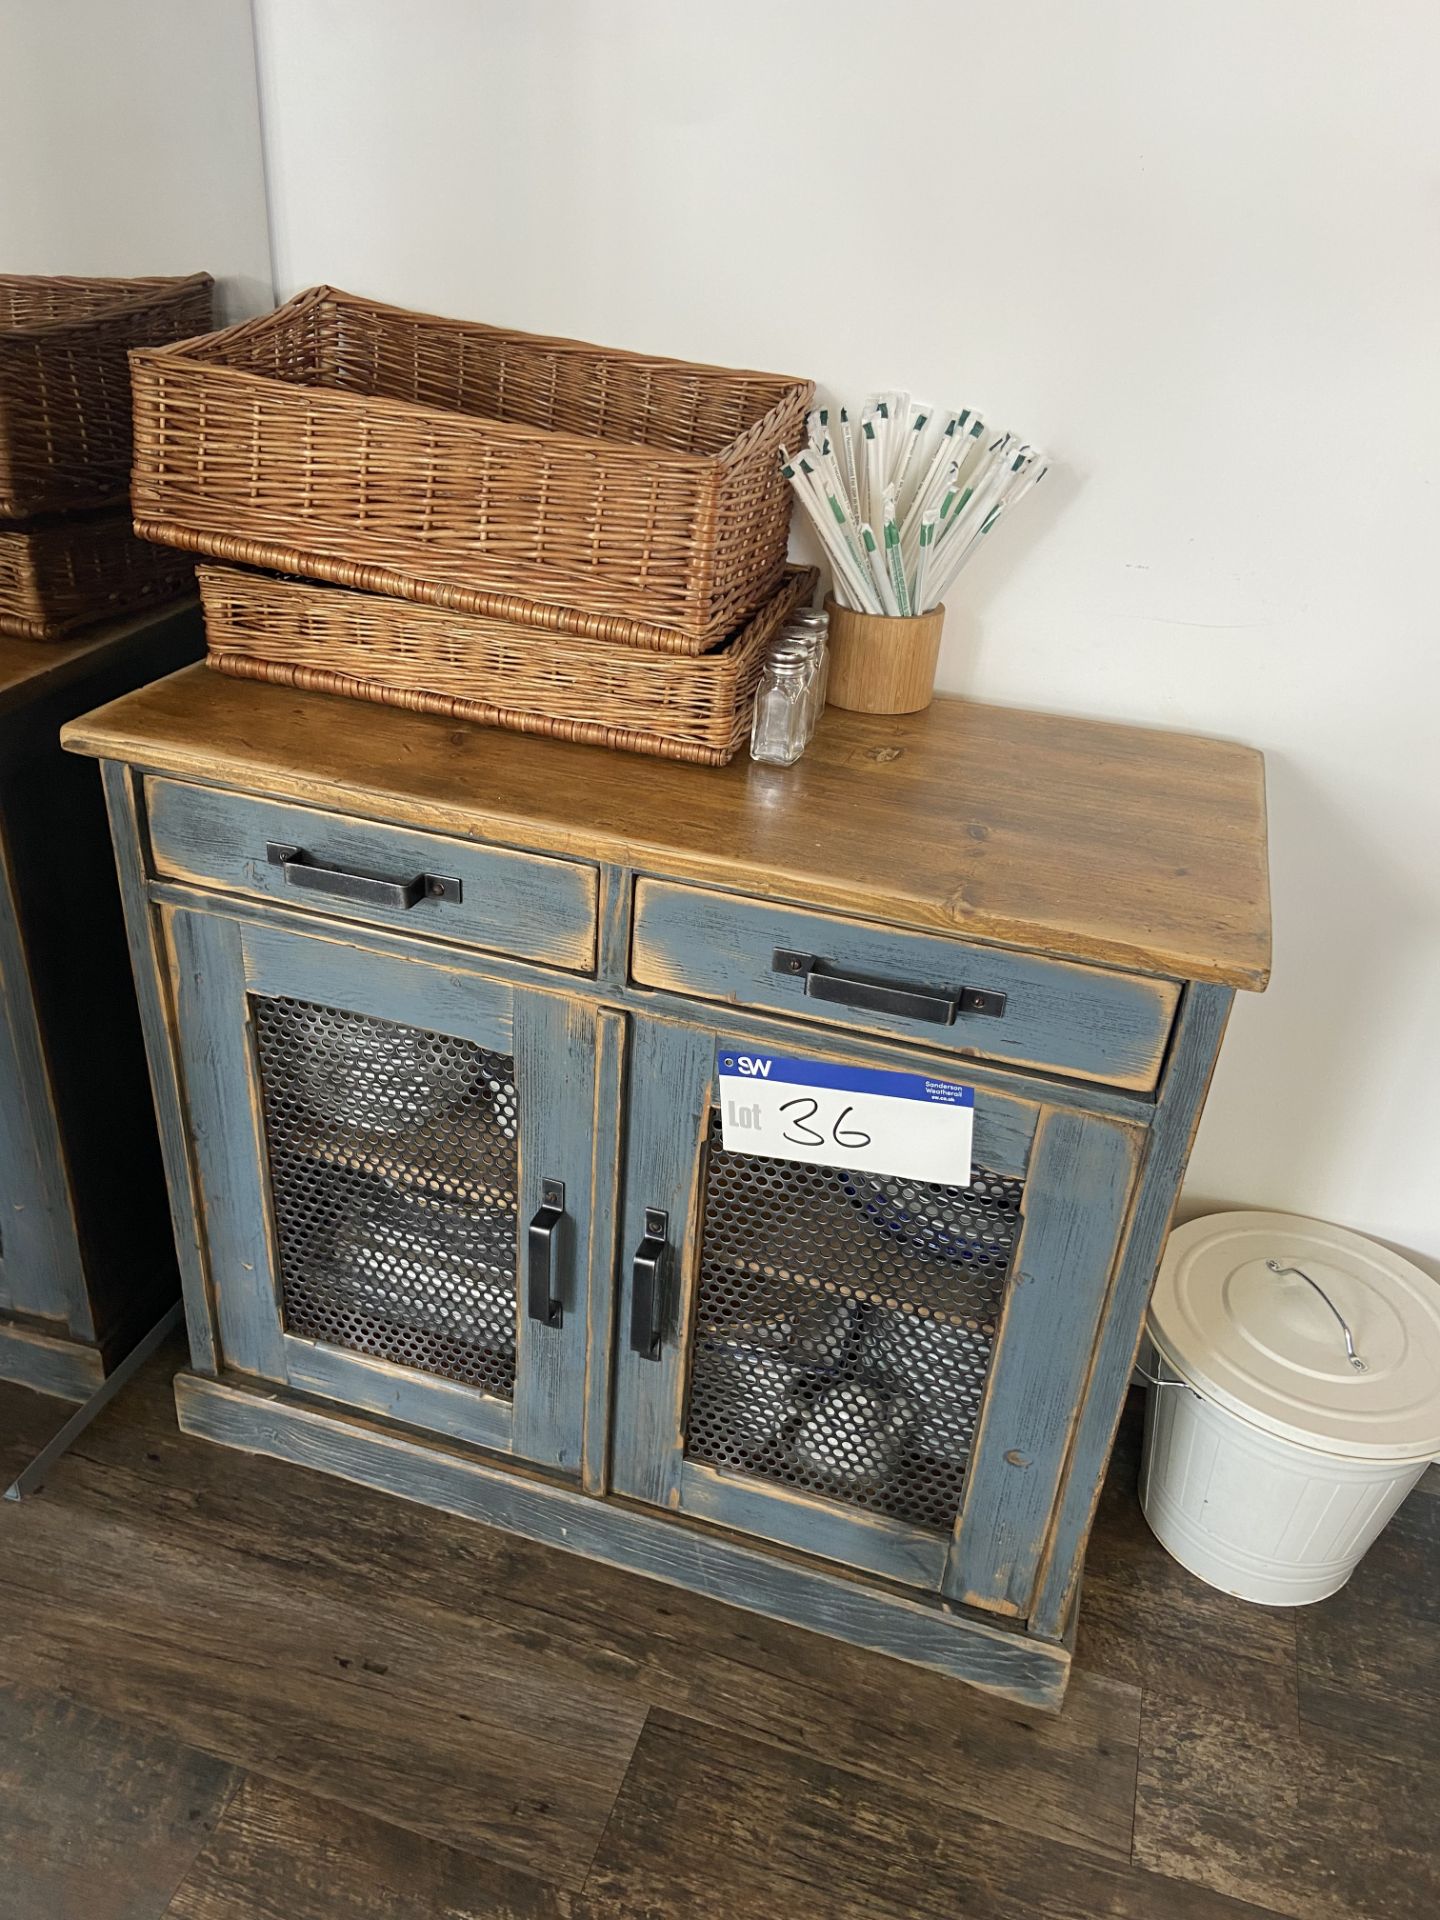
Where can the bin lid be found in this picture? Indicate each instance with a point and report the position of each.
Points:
(1266, 1345)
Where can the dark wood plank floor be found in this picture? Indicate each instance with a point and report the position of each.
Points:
(232, 1690)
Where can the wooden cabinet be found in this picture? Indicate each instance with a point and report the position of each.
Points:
(435, 1017)
(86, 1261)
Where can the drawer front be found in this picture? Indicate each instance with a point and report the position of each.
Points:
(520, 903)
(985, 1002)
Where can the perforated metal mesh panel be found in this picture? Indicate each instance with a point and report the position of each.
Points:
(393, 1182)
(844, 1328)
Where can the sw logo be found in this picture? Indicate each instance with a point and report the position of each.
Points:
(755, 1069)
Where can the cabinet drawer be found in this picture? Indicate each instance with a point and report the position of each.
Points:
(521, 903)
(988, 1002)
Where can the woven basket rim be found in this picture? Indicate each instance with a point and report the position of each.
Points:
(498, 604)
(322, 293)
(89, 519)
(515, 431)
(144, 292)
(510, 431)
(717, 661)
(65, 516)
(244, 666)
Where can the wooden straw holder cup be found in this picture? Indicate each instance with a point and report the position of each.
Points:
(879, 664)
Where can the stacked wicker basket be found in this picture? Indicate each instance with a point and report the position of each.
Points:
(68, 556)
(490, 525)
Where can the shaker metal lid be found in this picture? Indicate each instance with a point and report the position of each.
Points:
(1260, 1313)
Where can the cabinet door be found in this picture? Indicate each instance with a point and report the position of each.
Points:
(394, 1157)
(879, 1371)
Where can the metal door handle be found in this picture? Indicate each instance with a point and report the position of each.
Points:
(823, 982)
(648, 1275)
(371, 888)
(544, 1303)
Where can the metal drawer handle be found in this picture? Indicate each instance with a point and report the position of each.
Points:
(1356, 1362)
(823, 982)
(647, 1286)
(544, 1304)
(371, 888)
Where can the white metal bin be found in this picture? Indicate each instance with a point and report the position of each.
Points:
(1302, 1401)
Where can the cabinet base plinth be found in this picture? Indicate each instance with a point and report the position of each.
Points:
(49, 1363)
(253, 1419)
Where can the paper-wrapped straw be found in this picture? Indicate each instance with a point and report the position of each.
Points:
(902, 501)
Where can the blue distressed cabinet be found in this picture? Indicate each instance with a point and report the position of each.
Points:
(86, 1262)
(434, 1017)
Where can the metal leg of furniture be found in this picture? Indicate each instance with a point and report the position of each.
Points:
(32, 1478)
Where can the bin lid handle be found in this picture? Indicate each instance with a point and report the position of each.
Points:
(1356, 1362)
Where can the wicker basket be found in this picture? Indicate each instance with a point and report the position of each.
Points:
(61, 574)
(65, 382)
(471, 667)
(464, 467)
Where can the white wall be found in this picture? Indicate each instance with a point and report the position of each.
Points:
(1187, 246)
(130, 143)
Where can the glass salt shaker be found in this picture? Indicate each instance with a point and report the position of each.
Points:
(809, 646)
(780, 728)
(815, 621)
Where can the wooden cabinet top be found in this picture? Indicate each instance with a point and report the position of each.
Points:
(1100, 842)
(29, 669)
